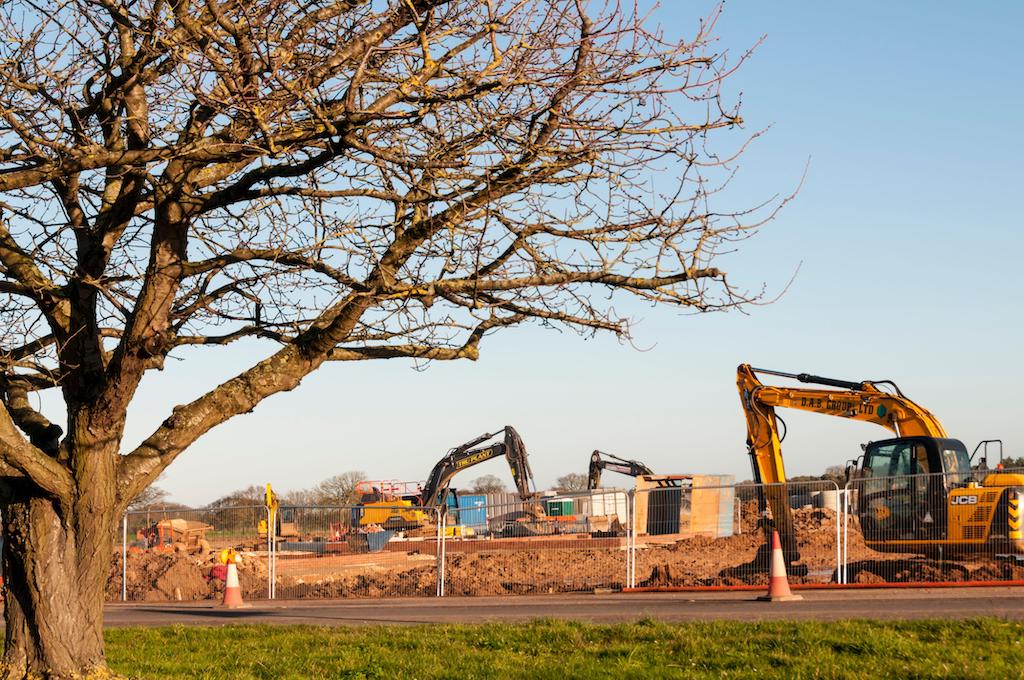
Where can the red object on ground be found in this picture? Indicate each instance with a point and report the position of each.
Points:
(219, 571)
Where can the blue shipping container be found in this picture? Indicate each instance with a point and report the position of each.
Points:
(473, 511)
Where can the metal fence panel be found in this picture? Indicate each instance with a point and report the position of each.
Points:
(563, 551)
(172, 555)
(354, 551)
(875, 530)
(934, 528)
(695, 537)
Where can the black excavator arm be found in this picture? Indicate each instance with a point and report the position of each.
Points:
(598, 463)
(465, 455)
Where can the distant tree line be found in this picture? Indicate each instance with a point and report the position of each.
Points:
(335, 490)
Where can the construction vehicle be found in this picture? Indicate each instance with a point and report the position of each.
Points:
(407, 505)
(285, 527)
(918, 493)
(176, 534)
(599, 462)
(390, 504)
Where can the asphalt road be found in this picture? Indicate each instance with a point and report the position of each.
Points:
(821, 605)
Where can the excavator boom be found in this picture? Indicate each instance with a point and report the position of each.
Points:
(464, 456)
(599, 462)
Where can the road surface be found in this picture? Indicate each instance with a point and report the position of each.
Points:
(820, 605)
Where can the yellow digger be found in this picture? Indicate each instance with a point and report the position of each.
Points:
(918, 493)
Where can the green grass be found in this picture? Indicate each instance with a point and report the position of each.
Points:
(981, 648)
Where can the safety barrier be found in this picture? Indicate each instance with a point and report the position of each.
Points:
(874, 530)
(567, 543)
(172, 554)
(353, 551)
(934, 528)
(717, 535)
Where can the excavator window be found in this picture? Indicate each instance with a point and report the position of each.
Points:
(956, 463)
(921, 460)
(891, 460)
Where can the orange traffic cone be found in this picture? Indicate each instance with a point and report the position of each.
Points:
(778, 582)
(232, 591)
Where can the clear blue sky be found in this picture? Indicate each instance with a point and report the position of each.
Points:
(908, 238)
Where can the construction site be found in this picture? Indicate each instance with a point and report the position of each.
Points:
(533, 565)
(918, 509)
(469, 339)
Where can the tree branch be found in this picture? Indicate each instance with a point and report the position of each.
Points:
(44, 471)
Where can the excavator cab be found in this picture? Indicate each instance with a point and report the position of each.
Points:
(906, 483)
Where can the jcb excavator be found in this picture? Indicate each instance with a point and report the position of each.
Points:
(598, 463)
(917, 491)
(382, 505)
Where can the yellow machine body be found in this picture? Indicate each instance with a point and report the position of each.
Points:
(392, 514)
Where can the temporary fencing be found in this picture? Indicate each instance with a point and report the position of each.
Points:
(355, 551)
(700, 535)
(932, 528)
(170, 554)
(674, 534)
(566, 543)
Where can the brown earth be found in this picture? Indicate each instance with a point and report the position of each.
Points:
(156, 576)
(509, 566)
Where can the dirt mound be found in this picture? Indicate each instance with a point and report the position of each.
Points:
(547, 571)
(420, 581)
(926, 570)
(159, 577)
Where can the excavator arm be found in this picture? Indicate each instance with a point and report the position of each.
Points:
(598, 463)
(863, 401)
(465, 455)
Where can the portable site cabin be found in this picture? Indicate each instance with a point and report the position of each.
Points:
(685, 505)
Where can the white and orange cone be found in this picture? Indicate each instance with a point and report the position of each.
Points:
(778, 582)
(232, 589)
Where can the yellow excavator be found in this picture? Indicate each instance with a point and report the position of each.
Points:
(918, 493)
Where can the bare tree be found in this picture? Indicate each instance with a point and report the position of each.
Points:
(488, 484)
(338, 180)
(339, 489)
(150, 497)
(835, 473)
(573, 481)
(250, 495)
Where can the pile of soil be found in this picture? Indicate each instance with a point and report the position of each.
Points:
(170, 576)
(920, 569)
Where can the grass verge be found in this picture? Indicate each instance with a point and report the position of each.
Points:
(980, 648)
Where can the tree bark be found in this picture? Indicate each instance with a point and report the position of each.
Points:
(56, 557)
(54, 601)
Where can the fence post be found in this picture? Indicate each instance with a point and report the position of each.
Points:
(271, 553)
(631, 539)
(629, 562)
(437, 557)
(839, 543)
(440, 552)
(444, 547)
(124, 558)
(848, 506)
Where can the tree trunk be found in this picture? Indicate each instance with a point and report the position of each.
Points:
(55, 588)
